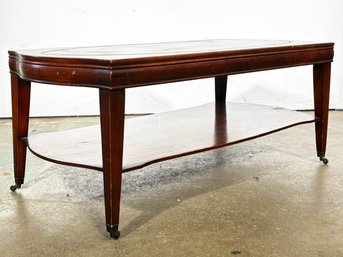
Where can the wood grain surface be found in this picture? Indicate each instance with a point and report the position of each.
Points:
(125, 66)
(158, 137)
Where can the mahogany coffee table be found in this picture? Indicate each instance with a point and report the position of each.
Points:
(145, 140)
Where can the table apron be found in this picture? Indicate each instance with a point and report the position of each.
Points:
(133, 77)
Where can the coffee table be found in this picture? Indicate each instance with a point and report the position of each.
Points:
(113, 149)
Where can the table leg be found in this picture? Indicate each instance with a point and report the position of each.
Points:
(321, 82)
(20, 124)
(220, 91)
(112, 114)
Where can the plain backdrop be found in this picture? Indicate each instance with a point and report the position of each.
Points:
(46, 23)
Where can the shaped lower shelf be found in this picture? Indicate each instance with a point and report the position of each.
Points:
(153, 138)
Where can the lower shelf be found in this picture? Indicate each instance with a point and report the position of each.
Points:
(153, 138)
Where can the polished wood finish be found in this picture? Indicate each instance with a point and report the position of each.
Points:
(158, 137)
(321, 86)
(112, 112)
(20, 116)
(113, 69)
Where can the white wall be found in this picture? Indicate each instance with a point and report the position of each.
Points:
(44, 23)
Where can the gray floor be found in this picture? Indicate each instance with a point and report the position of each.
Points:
(266, 197)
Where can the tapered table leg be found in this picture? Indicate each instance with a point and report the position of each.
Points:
(321, 82)
(112, 113)
(220, 108)
(220, 88)
(20, 124)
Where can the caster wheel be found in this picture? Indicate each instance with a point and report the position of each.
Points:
(113, 230)
(13, 188)
(324, 160)
(115, 234)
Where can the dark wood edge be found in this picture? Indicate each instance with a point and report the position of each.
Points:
(60, 162)
(126, 78)
(166, 158)
(215, 147)
(86, 76)
(59, 83)
(107, 77)
(59, 61)
(163, 60)
(224, 55)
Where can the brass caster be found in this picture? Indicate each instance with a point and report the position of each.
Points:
(13, 188)
(324, 160)
(115, 234)
(113, 230)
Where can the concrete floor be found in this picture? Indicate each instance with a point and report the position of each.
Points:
(266, 197)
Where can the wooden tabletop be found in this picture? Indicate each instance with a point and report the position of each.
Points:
(171, 49)
(119, 66)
